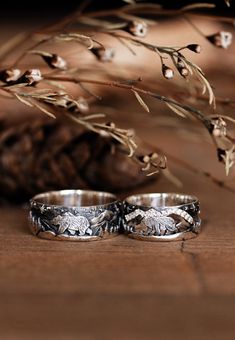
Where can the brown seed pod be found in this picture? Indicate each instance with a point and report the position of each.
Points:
(104, 55)
(137, 28)
(221, 39)
(183, 71)
(10, 75)
(167, 72)
(32, 77)
(55, 61)
(194, 48)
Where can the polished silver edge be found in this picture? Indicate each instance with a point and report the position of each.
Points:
(182, 236)
(192, 198)
(49, 236)
(36, 198)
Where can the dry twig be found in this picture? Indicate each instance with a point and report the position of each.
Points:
(31, 86)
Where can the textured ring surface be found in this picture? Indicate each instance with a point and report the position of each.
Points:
(161, 216)
(75, 215)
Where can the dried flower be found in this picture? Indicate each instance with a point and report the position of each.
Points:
(167, 72)
(137, 28)
(52, 60)
(31, 77)
(224, 142)
(130, 133)
(153, 162)
(144, 159)
(104, 55)
(221, 39)
(219, 127)
(55, 61)
(194, 47)
(82, 104)
(183, 71)
(10, 75)
(110, 124)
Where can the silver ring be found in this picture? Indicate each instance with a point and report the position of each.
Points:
(75, 215)
(161, 216)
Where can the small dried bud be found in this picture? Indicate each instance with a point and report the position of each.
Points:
(56, 62)
(104, 133)
(153, 155)
(220, 154)
(130, 133)
(221, 39)
(137, 28)
(111, 125)
(82, 104)
(194, 47)
(219, 128)
(61, 101)
(78, 106)
(31, 77)
(144, 159)
(183, 71)
(180, 63)
(167, 72)
(104, 55)
(70, 105)
(10, 75)
(52, 60)
(216, 133)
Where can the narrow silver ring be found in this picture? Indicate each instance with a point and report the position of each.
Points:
(75, 215)
(161, 216)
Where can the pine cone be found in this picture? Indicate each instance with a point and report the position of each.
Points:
(48, 155)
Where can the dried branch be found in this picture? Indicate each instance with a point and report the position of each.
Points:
(28, 86)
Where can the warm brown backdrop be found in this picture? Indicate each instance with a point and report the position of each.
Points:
(123, 288)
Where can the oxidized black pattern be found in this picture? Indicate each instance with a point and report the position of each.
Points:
(75, 222)
(164, 221)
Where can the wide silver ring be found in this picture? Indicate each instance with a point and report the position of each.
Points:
(75, 215)
(161, 216)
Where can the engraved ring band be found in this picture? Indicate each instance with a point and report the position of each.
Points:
(75, 215)
(161, 216)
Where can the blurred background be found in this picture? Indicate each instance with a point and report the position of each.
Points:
(51, 9)
(120, 106)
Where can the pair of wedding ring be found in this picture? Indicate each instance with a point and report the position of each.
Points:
(82, 215)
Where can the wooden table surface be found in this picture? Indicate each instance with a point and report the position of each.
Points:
(123, 288)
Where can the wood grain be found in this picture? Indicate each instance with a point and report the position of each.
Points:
(122, 288)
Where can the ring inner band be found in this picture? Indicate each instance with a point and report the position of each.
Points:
(75, 198)
(161, 200)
